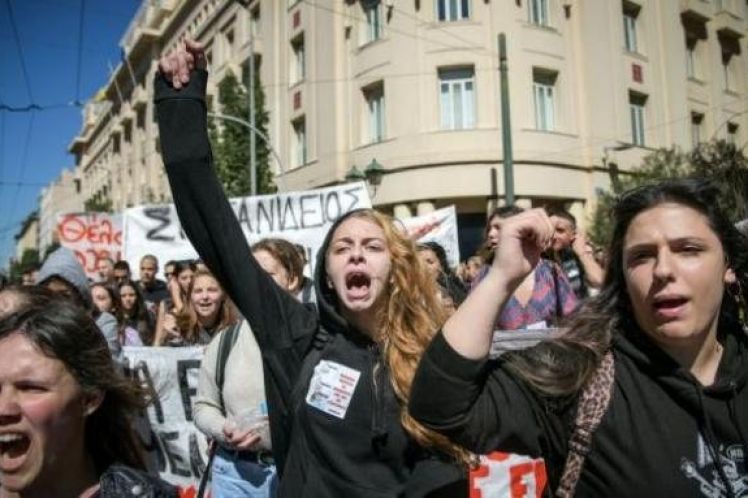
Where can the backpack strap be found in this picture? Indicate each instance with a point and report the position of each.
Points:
(593, 403)
(225, 344)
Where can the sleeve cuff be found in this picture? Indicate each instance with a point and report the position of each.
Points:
(195, 89)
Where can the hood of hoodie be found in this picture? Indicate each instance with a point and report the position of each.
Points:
(729, 385)
(732, 374)
(63, 264)
(327, 299)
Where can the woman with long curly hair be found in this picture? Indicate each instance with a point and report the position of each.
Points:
(659, 359)
(336, 382)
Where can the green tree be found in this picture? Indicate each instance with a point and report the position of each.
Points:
(29, 259)
(718, 160)
(231, 140)
(98, 204)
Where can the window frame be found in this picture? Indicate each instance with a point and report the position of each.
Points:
(444, 10)
(544, 93)
(376, 117)
(372, 31)
(538, 13)
(638, 115)
(631, 17)
(300, 151)
(298, 59)
(630, 35)
(457, 88)
(697, 122)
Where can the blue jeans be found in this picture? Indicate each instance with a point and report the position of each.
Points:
(233, 477)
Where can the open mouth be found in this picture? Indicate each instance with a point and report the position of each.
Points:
(669, 307)
(13, 448)
(357, 284)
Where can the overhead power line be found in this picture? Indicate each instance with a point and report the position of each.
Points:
(38, 107)
(80, 52)
(19, 48)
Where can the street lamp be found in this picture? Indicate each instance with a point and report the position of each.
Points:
(354, 175)
(612, 168)
(372, 175)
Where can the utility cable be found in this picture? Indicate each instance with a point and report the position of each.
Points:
(80, 53)
(21, 58)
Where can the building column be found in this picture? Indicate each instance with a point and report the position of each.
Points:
(401, 211)
(424, 207)
(523, 202)
(577, 210)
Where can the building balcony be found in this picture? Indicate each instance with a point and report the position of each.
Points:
(146, 24)
(727, 24)
(696, 8)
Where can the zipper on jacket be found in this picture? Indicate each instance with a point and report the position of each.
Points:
(378, 429)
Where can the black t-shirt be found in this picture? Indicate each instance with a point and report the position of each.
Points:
(154, 294)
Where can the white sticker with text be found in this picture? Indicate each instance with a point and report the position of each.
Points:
(332, 387)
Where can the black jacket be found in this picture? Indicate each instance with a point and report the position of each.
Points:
(365, 454)
(660, 436)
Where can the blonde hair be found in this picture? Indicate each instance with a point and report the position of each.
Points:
(412, 316)
(187, 322)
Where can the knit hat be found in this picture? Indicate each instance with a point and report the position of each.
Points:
(63, 264)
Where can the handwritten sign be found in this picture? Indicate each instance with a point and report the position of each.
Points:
(180, 450)
(299, 217)
(508, 475)
(92, 237)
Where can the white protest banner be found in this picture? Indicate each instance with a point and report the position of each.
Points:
(438, 226)
(180, 449)
(300, 217)
(92, 237)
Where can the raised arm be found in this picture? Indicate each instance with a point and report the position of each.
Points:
(523, 238)
(277, 319)
(456, 390)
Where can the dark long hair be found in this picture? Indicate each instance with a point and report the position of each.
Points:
(562, 366)
(448, 282)
(113, 295)
(140, 318)
(66, 333)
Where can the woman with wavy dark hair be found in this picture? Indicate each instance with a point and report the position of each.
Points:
(336, 382)
(105, 298)
(178, 281)
(661, 354)
(452, 290)
(135, 321)
(66, 413)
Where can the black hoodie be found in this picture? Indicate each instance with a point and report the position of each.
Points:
(661, 435)
(364, 453)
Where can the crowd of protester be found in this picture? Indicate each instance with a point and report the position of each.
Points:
(644, 362)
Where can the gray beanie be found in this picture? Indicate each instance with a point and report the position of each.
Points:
(64, 265)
